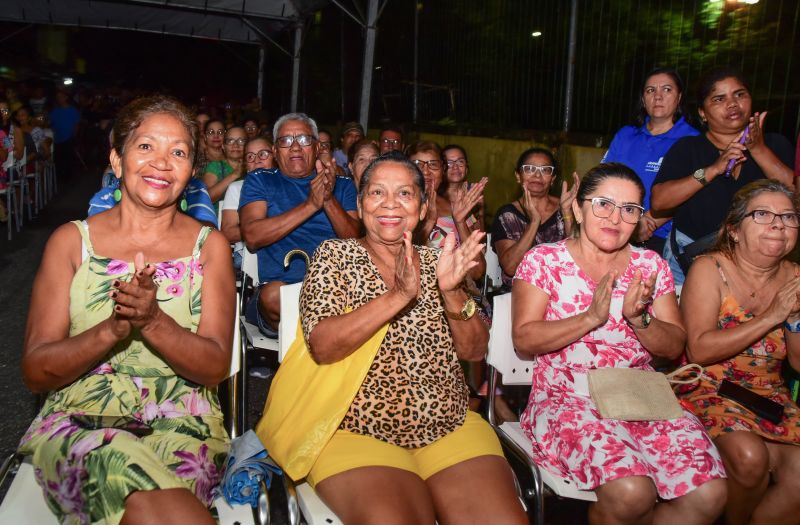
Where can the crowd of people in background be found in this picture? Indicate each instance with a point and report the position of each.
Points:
(675, 249)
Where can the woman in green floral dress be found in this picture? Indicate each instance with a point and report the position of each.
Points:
(114, 332)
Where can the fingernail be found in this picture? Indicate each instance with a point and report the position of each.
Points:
(118, 308)
(113, 295)
(115, 284)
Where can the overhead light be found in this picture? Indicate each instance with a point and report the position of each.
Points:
(536, 34)
(67, 81)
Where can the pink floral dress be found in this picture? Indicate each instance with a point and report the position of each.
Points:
(87, 474)
(570, 438)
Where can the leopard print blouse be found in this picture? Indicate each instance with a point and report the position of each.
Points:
(414, 393)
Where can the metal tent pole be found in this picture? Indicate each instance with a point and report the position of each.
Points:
(298, 42)
(369, 58)
(573, 23)
(262, 71)
(414, 109)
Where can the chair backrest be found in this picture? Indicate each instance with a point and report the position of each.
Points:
(250, 266)
(290, 314)
(494, 273)
(501, 353)
(236, 351)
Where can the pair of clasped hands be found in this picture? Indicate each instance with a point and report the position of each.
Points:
(637, 300)
(322, 185)
(135, 303)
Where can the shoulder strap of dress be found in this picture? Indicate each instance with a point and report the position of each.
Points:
(86, 248)
(201, 240)
(721, 273)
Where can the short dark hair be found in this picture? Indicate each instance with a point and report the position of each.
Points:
(738, 210)
(397, 158)
(536, 151)
(132, 115)
(641, 112)
(424, 145)
(610, 170)
(392, 127)
(455, 146)
(712, 76)
(358, 146)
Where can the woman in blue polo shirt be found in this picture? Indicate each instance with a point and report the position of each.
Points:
(659, 124)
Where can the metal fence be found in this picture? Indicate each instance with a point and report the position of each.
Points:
(502, 64)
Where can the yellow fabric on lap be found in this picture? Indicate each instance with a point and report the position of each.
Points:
(346, 451)
(307, 402)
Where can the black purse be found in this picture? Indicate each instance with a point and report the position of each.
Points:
(690, 251)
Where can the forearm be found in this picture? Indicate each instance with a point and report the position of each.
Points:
(540, 337)
(262, 232)
(217, 191)
(512, 256)
(661, 338)
(345, 225)
(336, 337)
(196, 358)
(231, 231)
(470, 337)
(49, 366)
(714, 345)
(772, 166)
(793, 348)
(671, 194)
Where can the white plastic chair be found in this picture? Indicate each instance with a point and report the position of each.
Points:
(494, 273)
(503, 359)
(24, 503)
(12, 208)
(20, 181)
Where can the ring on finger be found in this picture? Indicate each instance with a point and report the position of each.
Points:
(645, 302)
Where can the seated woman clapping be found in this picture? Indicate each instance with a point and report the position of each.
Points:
(741, 304)
(595, 301)
(120, 338)
(407, 449)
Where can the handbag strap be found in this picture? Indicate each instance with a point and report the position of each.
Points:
(692, 368)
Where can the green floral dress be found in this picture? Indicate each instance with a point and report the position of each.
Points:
(87, 474)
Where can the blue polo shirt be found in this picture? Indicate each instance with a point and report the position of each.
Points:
(642, 152)
(282, 193)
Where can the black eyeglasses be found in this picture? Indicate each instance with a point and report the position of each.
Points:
(431, 164)
(603, 208)
(240, 141)
(218, 132)
(790, 219)
(286, 141)
(325, 146)
(261, 154)
(392, 142)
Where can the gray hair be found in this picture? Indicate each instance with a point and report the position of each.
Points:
(302, 117)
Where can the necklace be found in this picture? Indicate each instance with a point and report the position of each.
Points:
(763, 286)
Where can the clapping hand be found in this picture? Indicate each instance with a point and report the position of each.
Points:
(326, 166)
(755, 137)
(601, 300)
(786, 302)
(406, 280)
(465, 200)
(568, 196)
(136, 300)
(455, 263)
(639, 295)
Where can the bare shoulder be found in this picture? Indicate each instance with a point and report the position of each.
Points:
(704, 276)
(65, 243)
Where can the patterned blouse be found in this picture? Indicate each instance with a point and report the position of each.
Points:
(414, 392)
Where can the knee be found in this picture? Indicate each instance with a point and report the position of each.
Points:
(709, 498)
(269, 300)
(628, 499)
(747, 463)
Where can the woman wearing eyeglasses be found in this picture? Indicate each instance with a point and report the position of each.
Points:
(536, 217)
(213, 138)
(258, 155)
(443, 216)
(741, 305)
(595, 301)
(700, 175)
(456, 186)
(659, 124)
(221, 173)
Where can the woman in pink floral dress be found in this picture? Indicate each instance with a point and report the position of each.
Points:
(595, 301)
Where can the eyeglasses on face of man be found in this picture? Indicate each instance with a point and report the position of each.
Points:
(603, 208)
(286, 141)
(434, 165)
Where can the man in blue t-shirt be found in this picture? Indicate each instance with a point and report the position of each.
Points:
(292, 207)
(64, 119)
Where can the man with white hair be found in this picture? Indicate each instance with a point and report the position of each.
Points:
(295, 206)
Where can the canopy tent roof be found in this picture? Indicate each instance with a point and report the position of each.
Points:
(241, 21)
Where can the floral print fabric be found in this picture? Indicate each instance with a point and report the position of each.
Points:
(570, 438)
(87, 474)
(757, 368)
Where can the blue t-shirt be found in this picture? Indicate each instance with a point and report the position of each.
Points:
(63, 122)
(282, 193)
(642, 152)
(199, 205)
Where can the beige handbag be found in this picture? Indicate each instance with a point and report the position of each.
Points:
(631, 394)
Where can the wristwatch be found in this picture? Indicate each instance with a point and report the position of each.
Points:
(700, 176)
(466, 313)
(646, 319)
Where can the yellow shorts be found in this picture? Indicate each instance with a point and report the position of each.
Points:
(346, 451)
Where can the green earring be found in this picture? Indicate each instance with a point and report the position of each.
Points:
(183, 204)
(117, 195)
